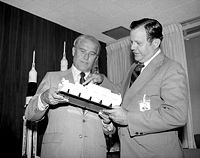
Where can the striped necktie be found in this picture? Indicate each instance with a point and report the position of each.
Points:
(136, 72)
(138, 68)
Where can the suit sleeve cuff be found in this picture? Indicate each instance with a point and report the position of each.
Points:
(41, 106)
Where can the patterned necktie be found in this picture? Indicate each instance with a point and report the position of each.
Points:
(136, 72)
(82, 74)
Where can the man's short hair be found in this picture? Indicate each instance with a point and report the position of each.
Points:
(90, 38)
(153, 28)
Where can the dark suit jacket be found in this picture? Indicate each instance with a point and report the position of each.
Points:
(69, 133)
(152, 133)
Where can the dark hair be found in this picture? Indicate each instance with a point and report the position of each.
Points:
(153, 28)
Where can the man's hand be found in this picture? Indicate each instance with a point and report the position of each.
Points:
(52, 97)
(95, 78)
(104, 117)
(118, 115)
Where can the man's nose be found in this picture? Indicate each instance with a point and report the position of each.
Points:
(133, 46)
(86, 56)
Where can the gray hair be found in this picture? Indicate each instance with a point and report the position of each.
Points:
(90, 38)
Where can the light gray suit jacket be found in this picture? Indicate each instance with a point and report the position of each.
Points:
(69, 133)
(152, 133)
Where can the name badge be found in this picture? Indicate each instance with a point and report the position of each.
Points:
(144, 104)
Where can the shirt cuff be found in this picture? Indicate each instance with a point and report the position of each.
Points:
(41, 106)
(108, 127)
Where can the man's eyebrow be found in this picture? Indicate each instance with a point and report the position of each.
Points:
(87, 50)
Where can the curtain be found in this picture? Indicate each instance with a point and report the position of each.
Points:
(118, 62)
(118, 59)
(173, 47)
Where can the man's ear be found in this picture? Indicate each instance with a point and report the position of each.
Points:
(73, 51)
(96, 58)
(156, 43)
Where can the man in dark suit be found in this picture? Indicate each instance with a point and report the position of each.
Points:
(71, 132)
(156, 104)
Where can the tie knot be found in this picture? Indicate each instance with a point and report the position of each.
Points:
(139, 67)
(82, 74)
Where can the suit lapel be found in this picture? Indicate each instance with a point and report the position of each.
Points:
(143, 78)
(68, 75)
(126, 83)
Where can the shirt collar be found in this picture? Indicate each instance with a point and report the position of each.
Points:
(148, 61)
(76, 74)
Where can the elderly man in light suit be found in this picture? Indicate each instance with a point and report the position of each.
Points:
(156, 104)
(71, 132)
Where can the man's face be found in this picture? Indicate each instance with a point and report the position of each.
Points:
(84, 55)
(142, 49)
